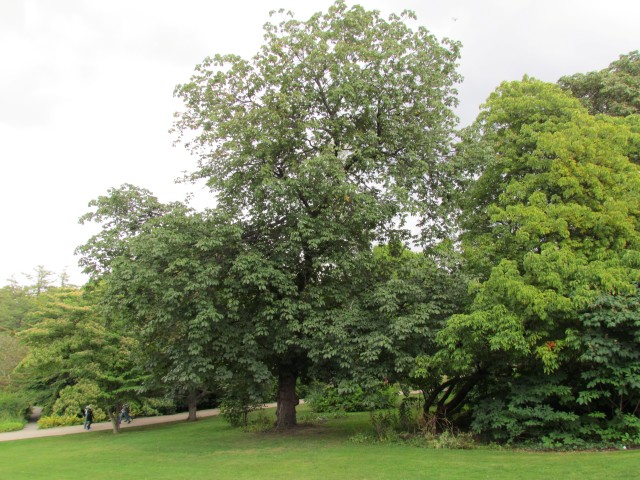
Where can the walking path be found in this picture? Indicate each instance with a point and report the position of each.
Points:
(31, 430)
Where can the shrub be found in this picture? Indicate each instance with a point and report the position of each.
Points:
(52, 421)
(350, 398)
(14, 405)
(9, 425)
(449, 439)
(236, 412)
(526, 409)
(73, 398)
(152, 407)
(384, 424)
(627, 429)
(410, 415)
(259, 423)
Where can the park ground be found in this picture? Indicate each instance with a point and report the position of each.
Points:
(335, 448)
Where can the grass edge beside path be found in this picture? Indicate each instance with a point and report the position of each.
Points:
(211, 448)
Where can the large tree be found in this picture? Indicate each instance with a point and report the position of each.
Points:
(319, 146)
(549, 227)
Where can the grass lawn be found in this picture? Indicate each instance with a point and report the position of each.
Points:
(210, 449)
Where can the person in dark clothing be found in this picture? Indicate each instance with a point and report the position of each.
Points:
(88, 417)
(125, 413)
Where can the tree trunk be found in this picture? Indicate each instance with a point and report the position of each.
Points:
(430, 395)
(115, 421)
(445, 407)
(287, 400)
(192, 404)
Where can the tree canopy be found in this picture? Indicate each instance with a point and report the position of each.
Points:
(550, 225)
(72, 346)
(318, 146)
(318, 150)
(613, 91)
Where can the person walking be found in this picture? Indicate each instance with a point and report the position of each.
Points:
(88, 417)
(125, 413)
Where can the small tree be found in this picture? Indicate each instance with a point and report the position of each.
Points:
(41, 279)
(73, 343)
(168, 286)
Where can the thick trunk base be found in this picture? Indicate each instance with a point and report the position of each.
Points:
(115, 422)
(192, 404)
(287, 401)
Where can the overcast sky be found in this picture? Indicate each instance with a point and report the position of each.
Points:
(86, 90)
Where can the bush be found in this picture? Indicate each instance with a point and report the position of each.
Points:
(384, 424)
(14, 406)
(352, 398)
(152, 407)
(242, 397)
(52, 421)
(236, 412)
(259, 423)
(410, 415)
(9, 425)
(73, 398)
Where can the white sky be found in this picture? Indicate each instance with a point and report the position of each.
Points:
(86, 90)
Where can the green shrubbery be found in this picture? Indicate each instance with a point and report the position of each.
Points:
(411, 415)
(408, 424)
(14, 405)
(261, 422)
(52, 421)
(385, 424)
(329, 398)
(14, 411)
(10, 425)
(72, 399)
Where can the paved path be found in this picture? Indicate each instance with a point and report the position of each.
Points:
(31, 431)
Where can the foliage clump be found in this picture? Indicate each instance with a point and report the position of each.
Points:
(351, 398)
(550, 230)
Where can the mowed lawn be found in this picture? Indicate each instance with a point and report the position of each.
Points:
(211, 449)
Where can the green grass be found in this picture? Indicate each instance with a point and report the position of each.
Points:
(210, 449)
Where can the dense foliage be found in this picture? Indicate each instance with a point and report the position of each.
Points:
(549, 228)
(321, 144)
(76, 357)
(614, 90)
(518, 320)
(329, 398)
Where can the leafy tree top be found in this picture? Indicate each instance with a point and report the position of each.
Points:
(550, 224)
(340, 118)
(553, 177)
(322, 143)
(613, 91)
